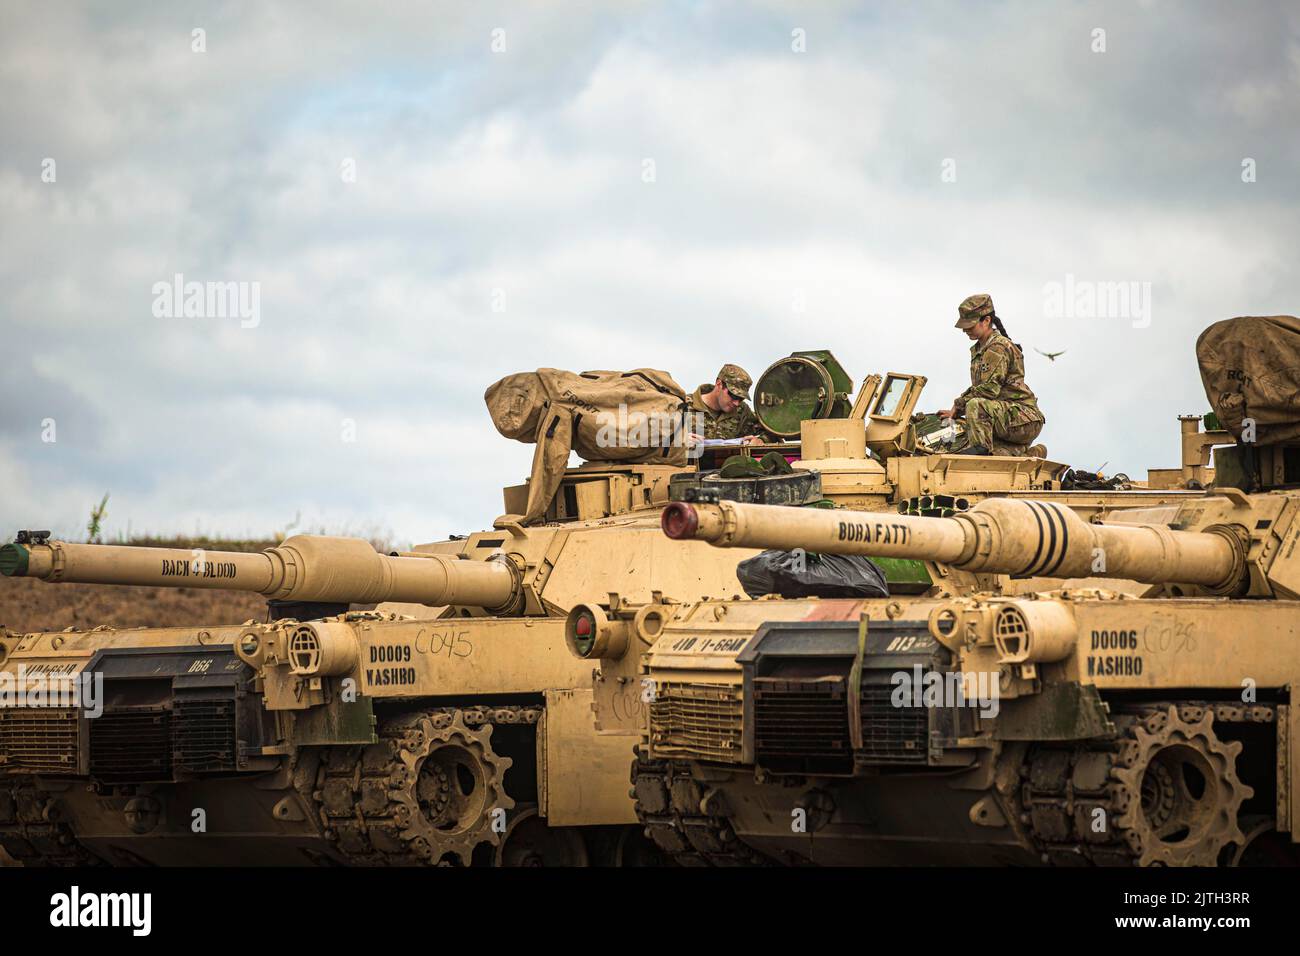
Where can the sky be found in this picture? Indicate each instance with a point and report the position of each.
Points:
(425, 197)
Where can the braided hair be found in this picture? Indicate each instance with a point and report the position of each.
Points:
(997, 324)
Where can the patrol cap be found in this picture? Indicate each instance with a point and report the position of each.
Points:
(973, 308)
(735, 379)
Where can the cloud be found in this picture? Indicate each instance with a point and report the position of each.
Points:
(500, 219)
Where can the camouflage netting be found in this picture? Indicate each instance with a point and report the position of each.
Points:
(1250, 367)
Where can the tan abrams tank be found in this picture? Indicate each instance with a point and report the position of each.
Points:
(330, 735)
(449, 726)
(1076, 725)
(1072, 726)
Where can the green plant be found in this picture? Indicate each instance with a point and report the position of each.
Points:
(94, 527)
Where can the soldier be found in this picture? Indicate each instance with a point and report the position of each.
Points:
(725, 414)
(1001, 412)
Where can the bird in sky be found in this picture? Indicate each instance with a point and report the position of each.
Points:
(1050, 355)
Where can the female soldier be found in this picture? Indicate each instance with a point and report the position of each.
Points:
(1001, 413)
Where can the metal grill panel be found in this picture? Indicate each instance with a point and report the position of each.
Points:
(131, 745)
(1011, 633)
(204, 735)
(697, 720)
(802, 725)
(893, 734)
(40, 740)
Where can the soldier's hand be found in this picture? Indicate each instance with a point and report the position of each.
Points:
(947, 412)
(752, 440)
(693, 439)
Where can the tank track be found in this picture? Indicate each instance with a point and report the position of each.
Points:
(671, 806)
(368, 798)
(1063, 786)
(31, 830)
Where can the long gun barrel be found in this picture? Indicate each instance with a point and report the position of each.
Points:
(313, 568)
(999, 535)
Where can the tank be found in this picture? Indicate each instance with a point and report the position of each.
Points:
(457, 723)
(1069, 725)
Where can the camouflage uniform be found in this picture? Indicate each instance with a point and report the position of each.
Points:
(1001, 412)
(735, 424)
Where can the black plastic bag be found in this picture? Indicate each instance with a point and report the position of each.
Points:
(797, 574)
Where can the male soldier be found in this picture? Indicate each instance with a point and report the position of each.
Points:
(1001, 412)
(723, 409)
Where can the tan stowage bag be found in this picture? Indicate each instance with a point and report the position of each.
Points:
(1251, 370)
(629, 417)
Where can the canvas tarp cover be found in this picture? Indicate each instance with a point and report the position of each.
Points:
(1250, 367)
(626, 417)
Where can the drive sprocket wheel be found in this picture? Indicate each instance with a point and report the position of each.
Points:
(448, 789)
(1179, 793)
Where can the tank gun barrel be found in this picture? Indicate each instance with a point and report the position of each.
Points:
(999, 535)
(313, 568)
